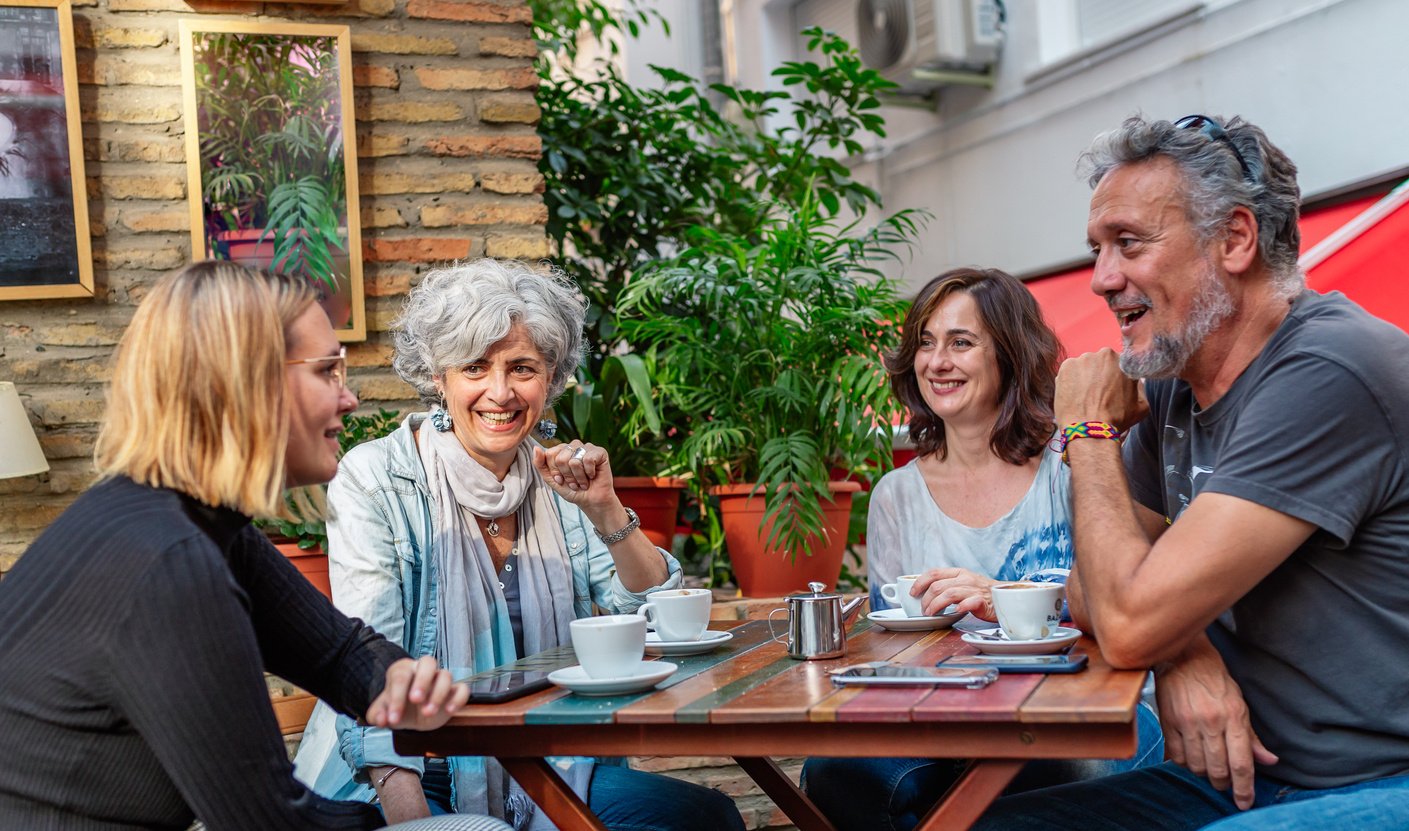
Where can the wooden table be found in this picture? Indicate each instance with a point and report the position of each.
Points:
(748, 700)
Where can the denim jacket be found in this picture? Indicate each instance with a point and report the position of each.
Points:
(382, 570)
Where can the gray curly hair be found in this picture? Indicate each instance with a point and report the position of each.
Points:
(1239, 167)
(457, 313)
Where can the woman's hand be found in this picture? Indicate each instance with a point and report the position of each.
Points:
(580, 473)
(938, 588)
(418, 695)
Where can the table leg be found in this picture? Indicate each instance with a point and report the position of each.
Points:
(552, 794)
(793, 802)
(968, 798)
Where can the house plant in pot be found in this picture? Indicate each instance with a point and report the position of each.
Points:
(774, 348)
(615, 410)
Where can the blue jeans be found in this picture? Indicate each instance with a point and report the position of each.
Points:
(894, 794)
(632, 800)
(1170, 798)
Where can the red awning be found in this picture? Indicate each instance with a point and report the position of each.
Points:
(1367, 267)
(1367, 260)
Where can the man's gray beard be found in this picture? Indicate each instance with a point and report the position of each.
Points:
(1168, 354)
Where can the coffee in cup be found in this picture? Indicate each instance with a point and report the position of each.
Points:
(1028, 611)
(609, 646)
(678, 614)
(899, 593)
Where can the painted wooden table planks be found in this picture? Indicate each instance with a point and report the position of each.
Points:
(749, 700)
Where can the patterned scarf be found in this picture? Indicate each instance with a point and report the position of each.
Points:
(474, 632)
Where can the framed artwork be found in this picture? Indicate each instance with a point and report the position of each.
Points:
(44, 232)
(271, 155)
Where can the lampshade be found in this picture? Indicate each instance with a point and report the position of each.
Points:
(20, 454)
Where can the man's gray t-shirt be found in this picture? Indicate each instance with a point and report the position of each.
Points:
(1317, 427)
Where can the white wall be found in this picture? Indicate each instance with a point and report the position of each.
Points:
(1325, 78)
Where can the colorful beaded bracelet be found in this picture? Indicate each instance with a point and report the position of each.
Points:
(1088, 430)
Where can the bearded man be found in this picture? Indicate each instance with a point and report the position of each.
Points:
(1251, 542)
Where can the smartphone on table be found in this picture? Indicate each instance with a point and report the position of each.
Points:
(887, 674)
(506, 684)
(1057, 664)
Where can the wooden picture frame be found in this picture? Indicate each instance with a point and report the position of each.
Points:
(45, 249)
(271, 154)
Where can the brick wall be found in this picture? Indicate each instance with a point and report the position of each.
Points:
(448, 166)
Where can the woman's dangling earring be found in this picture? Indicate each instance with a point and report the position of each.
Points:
(440, 418)
(547, 428)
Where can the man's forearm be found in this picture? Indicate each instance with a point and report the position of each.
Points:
(1110, 544)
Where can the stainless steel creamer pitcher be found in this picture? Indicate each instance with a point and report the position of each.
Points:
(816, 623)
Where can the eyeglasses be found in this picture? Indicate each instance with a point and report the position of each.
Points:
(339, 369)
(1215, 132)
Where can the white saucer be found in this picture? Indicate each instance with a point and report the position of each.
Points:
(1056, 642)
(896, 619)
(647, 675)
(709, 640)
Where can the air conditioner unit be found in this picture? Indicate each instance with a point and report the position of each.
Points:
(922, 44)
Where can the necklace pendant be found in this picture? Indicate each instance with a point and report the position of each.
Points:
(493, 528)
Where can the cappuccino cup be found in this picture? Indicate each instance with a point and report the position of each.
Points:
(899, 593)
(609, 646)
(678, 614)
(1028, 611)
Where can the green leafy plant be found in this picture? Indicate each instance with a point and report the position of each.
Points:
(630, 170)
(615, 410)
(775, 345)
(706, 225)
(304, 524)
(271, 140)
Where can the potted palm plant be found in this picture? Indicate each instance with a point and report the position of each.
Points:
(774, 347)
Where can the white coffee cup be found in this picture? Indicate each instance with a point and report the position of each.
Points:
(1028, 611)
(678, 614)
(609, 646)
(899, 593)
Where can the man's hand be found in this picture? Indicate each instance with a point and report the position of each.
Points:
(1205, 721)
(418, 696)
(1092, 388)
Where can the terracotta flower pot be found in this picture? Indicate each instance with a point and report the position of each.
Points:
(245, 247)
(656, 500)
(312, 563)
(775, 573)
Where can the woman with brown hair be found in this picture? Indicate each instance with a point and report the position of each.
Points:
(985, 502)
(136, 630)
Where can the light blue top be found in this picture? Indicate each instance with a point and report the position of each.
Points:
(907, 533)
(381, 566)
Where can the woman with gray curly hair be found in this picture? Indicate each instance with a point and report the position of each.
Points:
(462, 537)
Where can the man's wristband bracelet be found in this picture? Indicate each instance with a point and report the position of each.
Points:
(381, 780)
(632, 523)
(1088, 430)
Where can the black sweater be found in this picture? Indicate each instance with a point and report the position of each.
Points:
(133, 636)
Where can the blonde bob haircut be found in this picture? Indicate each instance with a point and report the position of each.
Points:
(196, 403)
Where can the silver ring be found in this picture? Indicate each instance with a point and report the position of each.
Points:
(577, 456)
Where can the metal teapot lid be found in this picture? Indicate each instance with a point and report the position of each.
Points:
(815, 591)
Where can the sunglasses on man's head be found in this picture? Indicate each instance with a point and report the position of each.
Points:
(1214, 131)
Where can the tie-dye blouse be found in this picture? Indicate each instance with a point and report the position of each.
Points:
(907, 533)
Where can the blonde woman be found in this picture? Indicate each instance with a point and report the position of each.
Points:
(135, 631)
